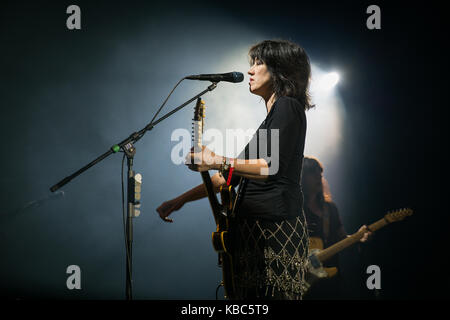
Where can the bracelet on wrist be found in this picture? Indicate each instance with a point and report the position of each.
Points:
(224, 166)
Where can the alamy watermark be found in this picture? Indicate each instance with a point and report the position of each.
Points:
(74, 280)
(374, 20)
(268, 148)
(74, 20)
(374, 280)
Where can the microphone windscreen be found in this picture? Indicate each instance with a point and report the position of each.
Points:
(238, 76)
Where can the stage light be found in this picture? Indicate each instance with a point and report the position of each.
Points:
(323, 136)
(330, 80)
(326, 82)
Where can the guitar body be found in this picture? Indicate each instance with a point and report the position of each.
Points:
(221, 243)
(315, 246)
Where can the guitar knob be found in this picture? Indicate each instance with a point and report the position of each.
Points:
(137, 212)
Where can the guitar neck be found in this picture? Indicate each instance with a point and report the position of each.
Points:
(215, 206)
(347, 242)
(197, 132)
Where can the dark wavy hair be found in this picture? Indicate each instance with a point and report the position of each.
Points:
(289, 68)
(313, 165)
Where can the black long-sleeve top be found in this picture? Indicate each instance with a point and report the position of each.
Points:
(280, 195)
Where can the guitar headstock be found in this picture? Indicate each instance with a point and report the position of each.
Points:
(199, 110)
(398, 215)
(197, 124)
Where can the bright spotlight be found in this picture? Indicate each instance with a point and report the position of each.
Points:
(329, 81)
(325, 121)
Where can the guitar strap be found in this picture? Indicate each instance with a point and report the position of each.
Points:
(237, 196)
(326, 223)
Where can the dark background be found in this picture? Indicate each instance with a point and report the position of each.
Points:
(67, 96)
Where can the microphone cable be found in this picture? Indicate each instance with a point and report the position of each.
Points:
(160, 108)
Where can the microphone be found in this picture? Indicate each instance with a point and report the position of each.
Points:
(229, 77)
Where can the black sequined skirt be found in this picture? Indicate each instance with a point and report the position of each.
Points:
(269, 258)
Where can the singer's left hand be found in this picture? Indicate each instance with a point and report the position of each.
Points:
(203, 161)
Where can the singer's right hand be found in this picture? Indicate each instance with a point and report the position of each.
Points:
(167, 207)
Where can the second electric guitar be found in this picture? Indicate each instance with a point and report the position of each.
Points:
(317, 255)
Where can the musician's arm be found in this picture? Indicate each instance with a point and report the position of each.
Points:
(199, 191)
(196, 193)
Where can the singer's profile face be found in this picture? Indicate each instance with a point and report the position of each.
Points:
(260, 81)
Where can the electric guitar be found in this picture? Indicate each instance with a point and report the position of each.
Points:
(221, 211)
(317, 255)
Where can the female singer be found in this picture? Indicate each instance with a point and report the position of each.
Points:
(268, 232)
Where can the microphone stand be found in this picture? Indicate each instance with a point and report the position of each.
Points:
(127, 146)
